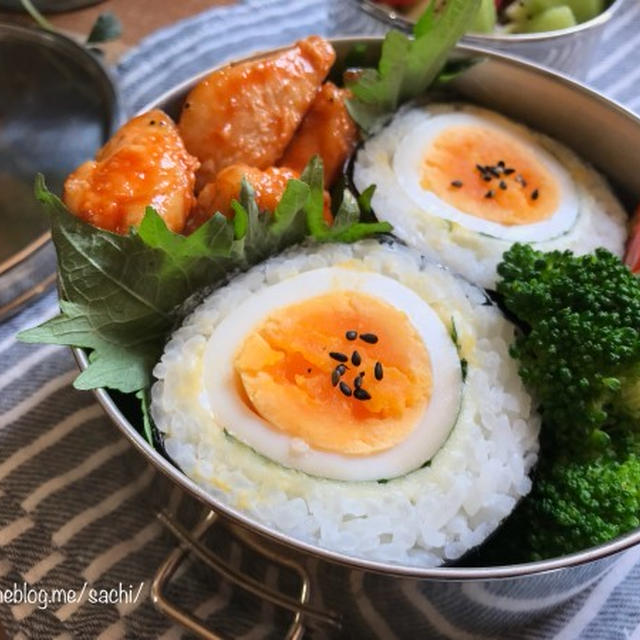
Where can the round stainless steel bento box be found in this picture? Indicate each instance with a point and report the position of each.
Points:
(568, 50)
(350, 597)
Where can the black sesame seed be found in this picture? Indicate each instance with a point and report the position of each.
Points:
(503, 184)
(345, 388)
(361, 394)
(534, 194)
(351, 335)
(356, 359)
(341, 369)
(335, 378)
(493, 171)
(456, 183)
(521, 180)
(501, 163)
(369, 338)
(336, 355)
(480, 168)
(508, 171)
(378, 371)
(489, 194)
(357, 382)
(487, 178)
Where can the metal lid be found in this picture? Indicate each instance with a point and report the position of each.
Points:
(58, 105)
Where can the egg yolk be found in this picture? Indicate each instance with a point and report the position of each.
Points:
(290, 371)
(489, 174)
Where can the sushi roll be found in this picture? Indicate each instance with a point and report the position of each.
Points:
(462, 184)
(353, 396)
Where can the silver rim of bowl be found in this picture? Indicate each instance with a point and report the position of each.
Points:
(395, 19)
(439, 573)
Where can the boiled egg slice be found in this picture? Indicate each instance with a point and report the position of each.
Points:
(338, 372)
(485, 174)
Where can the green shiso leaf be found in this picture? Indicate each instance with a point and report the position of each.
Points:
(121, 295)
(240, 220)
(346, 227)
(290, 205)
(348, 212)
(408, 66)
(267, 233)
(313, 176)
(454, 68)
(364, 200)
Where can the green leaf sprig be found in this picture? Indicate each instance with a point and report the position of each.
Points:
(408, 66)
(122, 295)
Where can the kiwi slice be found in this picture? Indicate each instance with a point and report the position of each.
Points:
(550, 20)
(486, 17)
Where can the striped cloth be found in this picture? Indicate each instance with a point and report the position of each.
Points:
(75, 507)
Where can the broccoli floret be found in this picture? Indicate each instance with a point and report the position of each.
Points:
(580, 349)
(579, 353)
(577, 505)
(573, 505)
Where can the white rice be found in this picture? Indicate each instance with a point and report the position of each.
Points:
(429, 516)
(601, 219)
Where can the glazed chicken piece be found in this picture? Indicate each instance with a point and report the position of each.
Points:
(247, 113)
(269, 185)
(144, 164)
(327, 130)
(216, 196)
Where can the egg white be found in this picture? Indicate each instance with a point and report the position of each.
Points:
(232, 413)
(413, 147)
(589, 214)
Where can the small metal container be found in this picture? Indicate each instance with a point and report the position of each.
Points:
(348, 597)
(567, 50)
(58, 105)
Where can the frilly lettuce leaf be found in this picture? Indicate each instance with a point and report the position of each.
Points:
(409, 65)
(121, 295)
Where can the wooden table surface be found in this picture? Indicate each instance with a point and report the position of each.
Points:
(139, 18)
